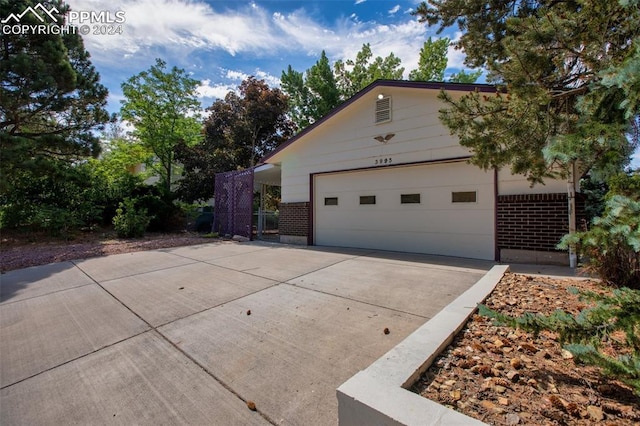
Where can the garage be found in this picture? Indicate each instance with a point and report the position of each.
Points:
(381, 171)
(444, 208)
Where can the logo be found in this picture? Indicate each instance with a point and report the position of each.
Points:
(33, 11)
(83, 22)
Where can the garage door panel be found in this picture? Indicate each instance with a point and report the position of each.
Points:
(472, 246)
(435, 225)
(410, 221)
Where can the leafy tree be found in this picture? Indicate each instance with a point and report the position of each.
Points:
(312, 94)
(323, 87)
(463, 77)
(163, 107)
(299, 94)
(51, 102)
(432, 62)
(354, 75)
(114, 174)
(240, 129)
(565, 96)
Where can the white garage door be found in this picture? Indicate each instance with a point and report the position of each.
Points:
(445, 209)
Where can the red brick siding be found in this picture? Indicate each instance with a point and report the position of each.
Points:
(533, 221)
(294, 219)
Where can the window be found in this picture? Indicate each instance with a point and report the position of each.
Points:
(410, 198)
(367, 199)
(331, 201)
(463, 197)
(383, 110)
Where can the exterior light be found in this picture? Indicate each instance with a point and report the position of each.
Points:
(380, 95)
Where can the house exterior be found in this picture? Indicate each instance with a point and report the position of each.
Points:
(382, 172)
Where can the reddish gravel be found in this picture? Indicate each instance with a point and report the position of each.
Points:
(504, 376)
(16, 253)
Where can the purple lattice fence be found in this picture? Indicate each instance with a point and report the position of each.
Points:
(234, 203)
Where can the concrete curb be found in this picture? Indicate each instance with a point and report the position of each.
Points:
(378, 395)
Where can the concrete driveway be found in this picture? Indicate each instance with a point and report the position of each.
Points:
(189, 335)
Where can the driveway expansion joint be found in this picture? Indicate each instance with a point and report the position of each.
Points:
(153, 328)
(131, 275)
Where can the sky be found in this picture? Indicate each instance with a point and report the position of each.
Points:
(220, 43)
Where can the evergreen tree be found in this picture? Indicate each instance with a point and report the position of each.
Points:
(582, 334)
(551, 59)
(51, 102)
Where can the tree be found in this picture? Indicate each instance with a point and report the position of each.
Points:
(293, 84)
(312, 94)
(552, 60)
(51, 102)
(432, 62)
(354, 75)
(163, 108)
(240, 129)
(322, 85)
(463, 77)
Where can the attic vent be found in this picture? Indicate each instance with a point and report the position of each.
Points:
(383, 110)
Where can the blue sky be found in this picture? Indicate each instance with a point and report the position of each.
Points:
(222, 42)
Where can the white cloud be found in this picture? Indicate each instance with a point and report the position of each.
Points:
(271, 80)
(236, 75)
(404, 40)
(360, 1)
(180, 25)
(301, 32)
(207, 90)
(394, 10)
(176, 28)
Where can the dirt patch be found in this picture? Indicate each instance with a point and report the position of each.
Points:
(17, 251)
(503, 376)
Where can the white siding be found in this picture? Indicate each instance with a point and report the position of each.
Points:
(346, 141)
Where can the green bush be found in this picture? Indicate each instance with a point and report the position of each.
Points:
(56, 221)
(130, 221)
(612, 244)
(50, 219)
(166, 214)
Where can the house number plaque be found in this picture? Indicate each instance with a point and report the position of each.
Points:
(382, 161)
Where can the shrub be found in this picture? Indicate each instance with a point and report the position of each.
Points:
(130, 221)
(165, 214)
(56, 221)
(612, 244)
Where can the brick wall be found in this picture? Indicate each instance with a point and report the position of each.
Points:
(294, 219)
(534, 221)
